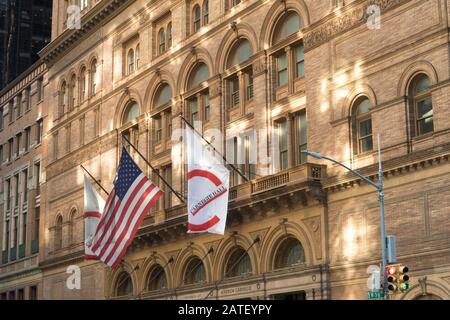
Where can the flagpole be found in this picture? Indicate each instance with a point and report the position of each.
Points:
(98, 183)
(154, 170)
(232, 267)
(209, 143)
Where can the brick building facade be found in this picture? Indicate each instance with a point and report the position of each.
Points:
(275, 78)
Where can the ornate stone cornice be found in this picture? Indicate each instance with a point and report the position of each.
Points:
(89, 23)
(325, 29)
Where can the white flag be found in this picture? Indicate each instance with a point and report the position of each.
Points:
(208, 186)
(93, 208)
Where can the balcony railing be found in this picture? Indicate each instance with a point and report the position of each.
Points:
(270, 182)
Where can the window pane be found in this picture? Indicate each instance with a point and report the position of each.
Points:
(365, 128)
(363, 106)
(426, 125)
(164, 95)
(300, 61)
(132, 112)
(290, 24)
(366, 144)
(241, 53)
(199, 75)
(194, 110)
(422, 84)
(282, 70)
(424, 108)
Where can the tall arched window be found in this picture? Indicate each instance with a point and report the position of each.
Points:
(138, 56)
(196, 18)
(130, 61)
(205, 8)
(157, 279)
(198, 103)
(58, 232)
(289, 253)
(64, 99)
(238, 264)
(169, 35)
(362, 125)
(195, 272)
(94, 77)
(124, 285)
(131, 112)
(83, 84)
(421, 105)
(239, 85)
(72, 226)
(162, 41)
(73, 92)
(289, 61)
(162, 121)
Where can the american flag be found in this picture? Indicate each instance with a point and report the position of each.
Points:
(126, 206)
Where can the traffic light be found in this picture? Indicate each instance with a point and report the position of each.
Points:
(397, 278)
(403, 278)
(391, 279)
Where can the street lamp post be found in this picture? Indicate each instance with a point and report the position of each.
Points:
(380, 190)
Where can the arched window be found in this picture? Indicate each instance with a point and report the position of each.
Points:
(64, 98)
(205, 8)
(196, 18)
(195, 272)
(198, 103)
(362, 125)
(289, 253)
(238, 264)
(58, 232)
(169, 35)
(240, 53)
(163, 95)
(234, 3)
(83, 84)
(132, 112)
(421, 105)
(130, 61)
(162, 41)
(289, 24)
(94, 78)
(124, 285)
(198, 75)
(138, 56)
(73, 92)
(157, 279)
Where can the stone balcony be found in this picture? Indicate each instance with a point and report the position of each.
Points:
(258, 197)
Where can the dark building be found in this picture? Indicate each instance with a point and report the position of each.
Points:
(25, 28)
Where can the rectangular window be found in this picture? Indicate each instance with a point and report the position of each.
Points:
(12, 295)
(302, 142)
(11, 112)
(10, 149)
(283, 143)
(167, 191)
(28, 98)
(234, 91)
(37, 219)
(193, 104)
(282, 70)
(196, 23)
(425, 116)
(16, 190)
(1, 118)
(169, 124)
(207, 107)
(20, 294)
(365, 135)
(299, 62)
(249, 84)
(158, 129)
(249, 157)
(25, 185)
(23, 239)
(15, 232)
(234, 175)
(41, 89)
(27, 138)
(8, 194)
(1, 154)
(37, 177)
(83, 4)
(33, 293)
(18, 143)
(40, 130)
(19, 105)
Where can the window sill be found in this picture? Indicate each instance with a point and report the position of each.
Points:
(423, 136)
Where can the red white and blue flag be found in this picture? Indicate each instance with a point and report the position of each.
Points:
(125, 209)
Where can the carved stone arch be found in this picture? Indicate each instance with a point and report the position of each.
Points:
(413, 70)
(125, 99)
(149, 264)
(275, 238)
(197, 55)
(194, 250)
(58, 214)
(427, 287)
(73, 208)
(93, 56)
(226, 249)
(153, 86)
(244, 31)
(276, 12)
(81, 65)
(354, 94)
(115, 273)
